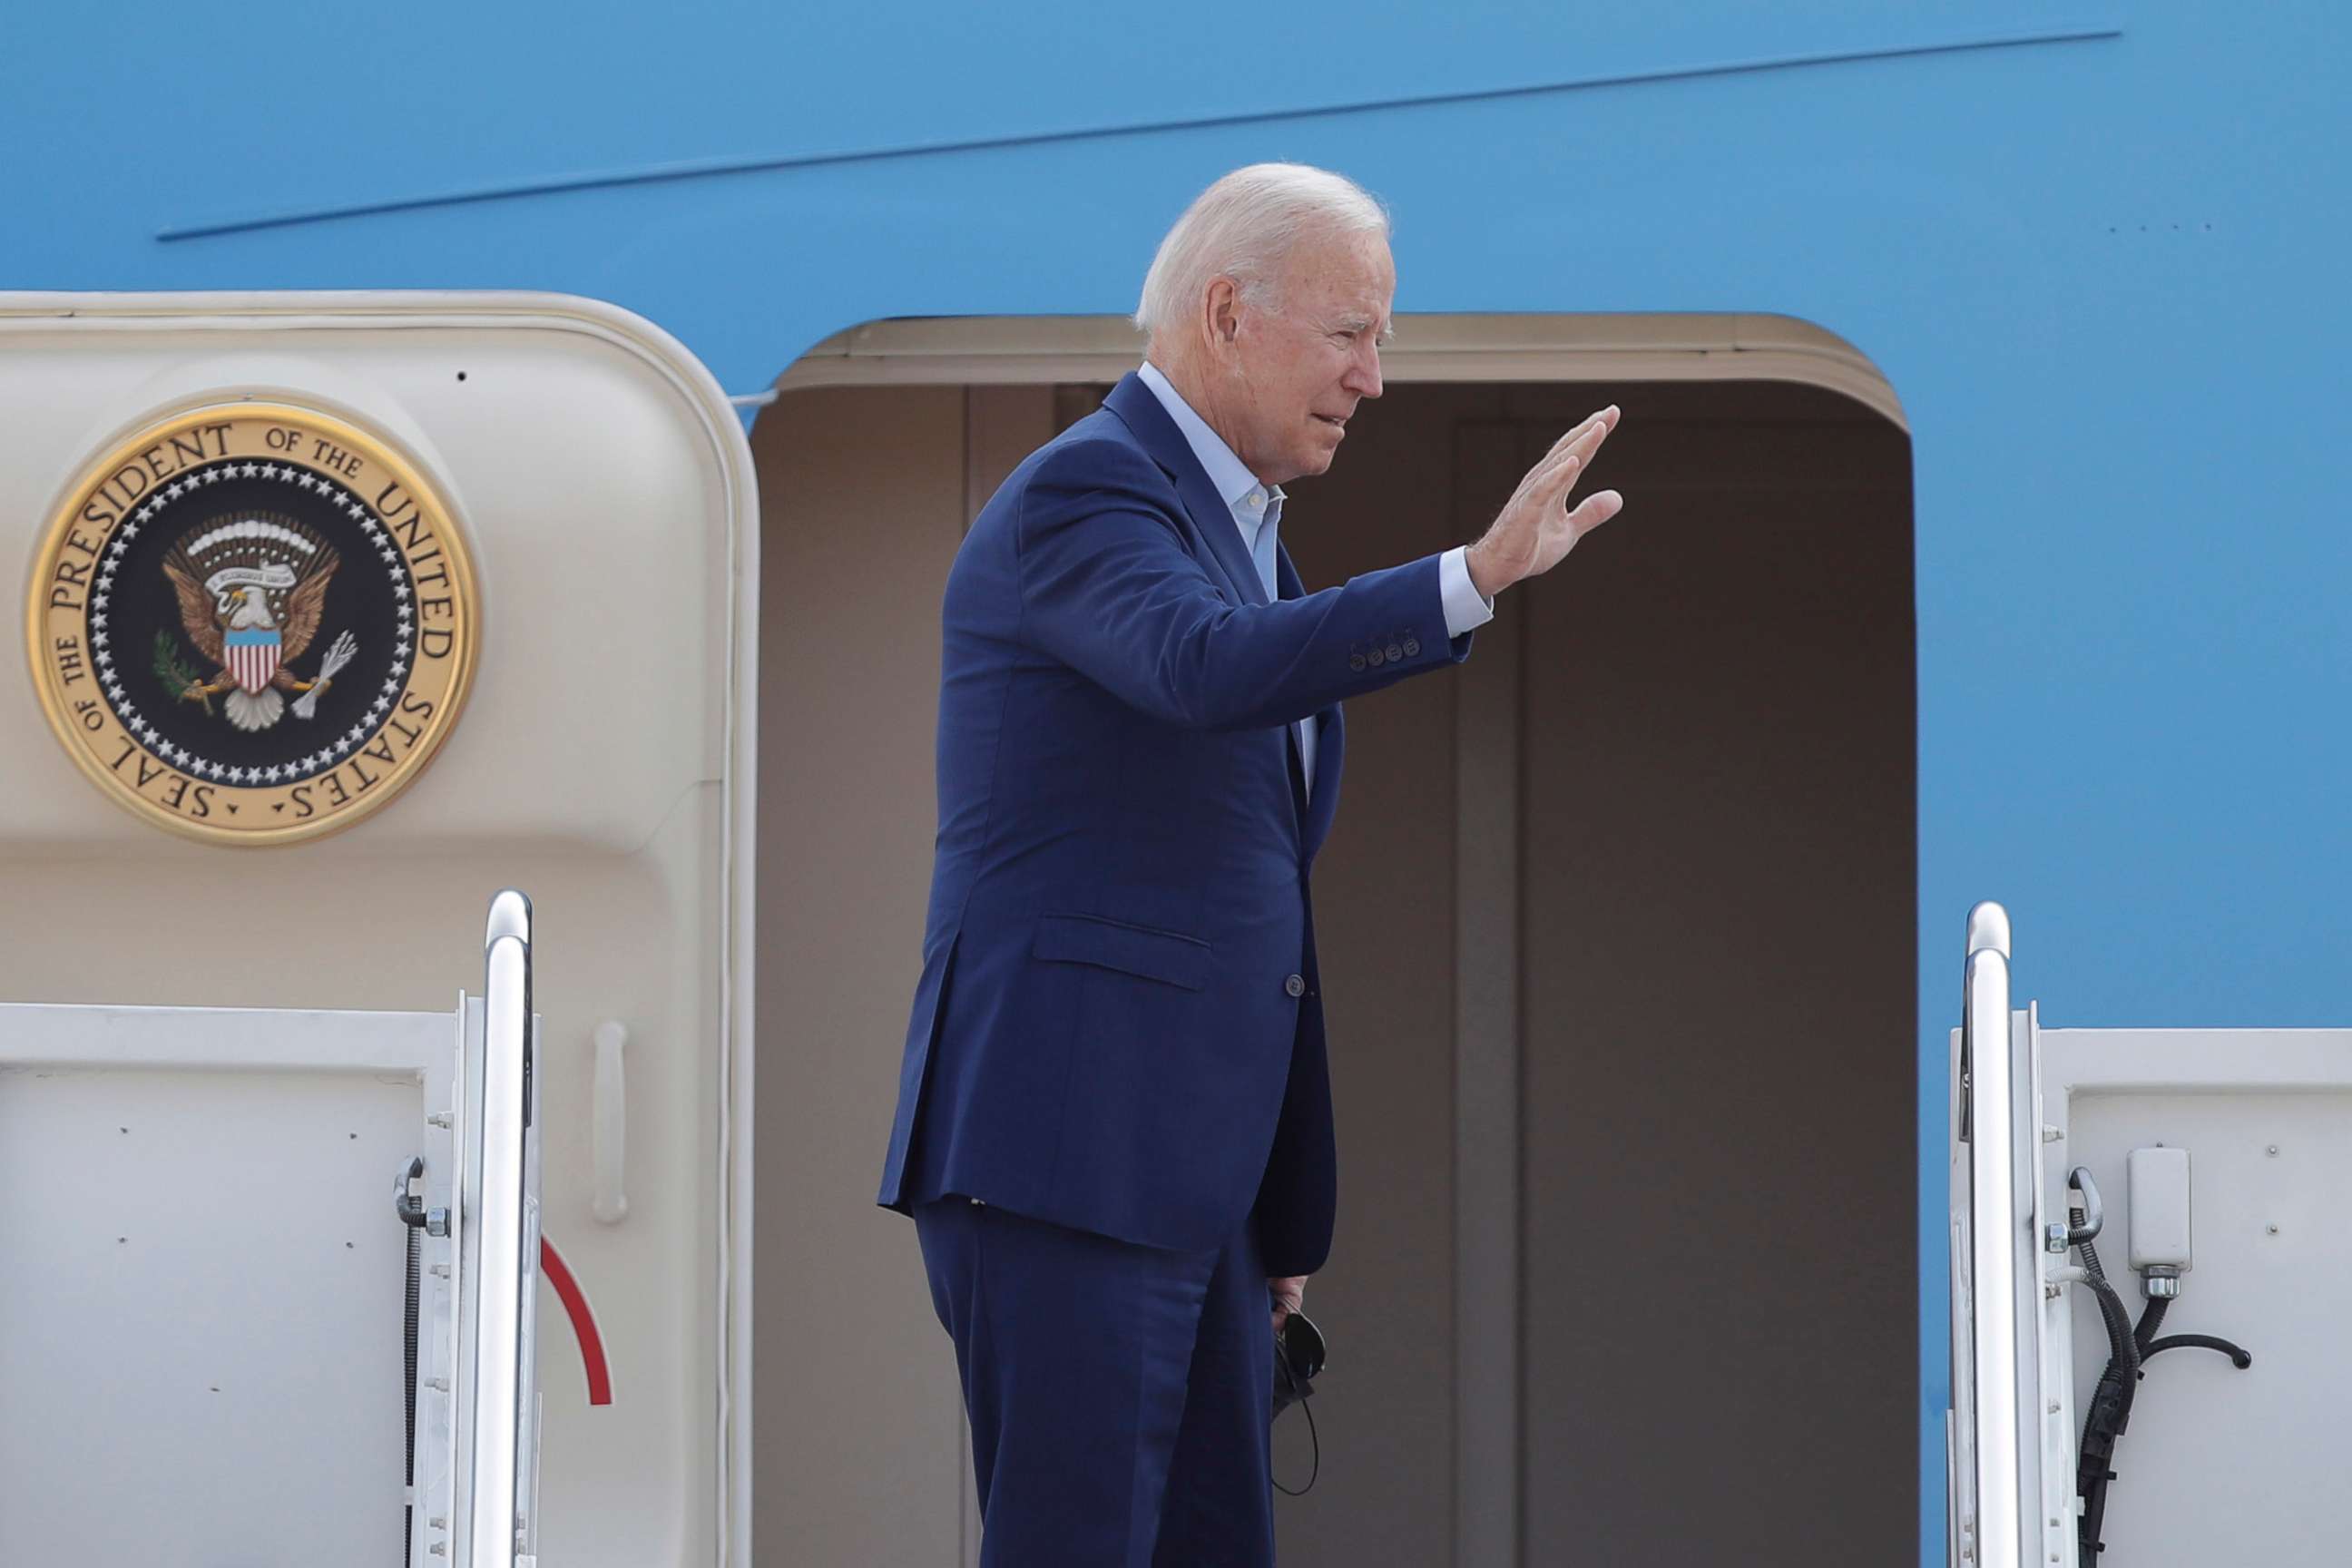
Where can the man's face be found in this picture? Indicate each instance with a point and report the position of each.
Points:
(1295, 377)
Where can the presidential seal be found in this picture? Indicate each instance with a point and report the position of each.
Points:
(252, 623)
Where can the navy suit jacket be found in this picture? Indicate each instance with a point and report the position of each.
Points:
(1119, 1022)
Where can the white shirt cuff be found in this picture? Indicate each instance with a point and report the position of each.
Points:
(1466, 609)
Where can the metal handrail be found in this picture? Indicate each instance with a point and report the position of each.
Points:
(498, 1388)
(1992, 1152)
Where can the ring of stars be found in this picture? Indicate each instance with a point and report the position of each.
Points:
(338, 747)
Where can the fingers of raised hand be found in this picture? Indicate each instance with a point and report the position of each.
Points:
(1573, 452)
(1589, 427)
(1596, 430)
(1595, 509)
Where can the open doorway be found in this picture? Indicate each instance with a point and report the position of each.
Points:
(1616, 921)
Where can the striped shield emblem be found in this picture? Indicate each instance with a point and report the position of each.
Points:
(252, 657)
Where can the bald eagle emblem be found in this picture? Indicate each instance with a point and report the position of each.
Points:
(252, 590)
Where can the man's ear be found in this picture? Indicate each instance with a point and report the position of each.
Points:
(1222, 312)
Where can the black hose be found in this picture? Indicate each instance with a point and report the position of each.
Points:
(2128, 1347)
(2123, 1347)
(2121, 1343)
(2110, 1409)
(2200, 1342)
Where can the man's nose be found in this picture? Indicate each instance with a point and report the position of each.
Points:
(1363, 377)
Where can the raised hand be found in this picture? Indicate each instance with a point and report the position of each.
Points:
(1536, 528)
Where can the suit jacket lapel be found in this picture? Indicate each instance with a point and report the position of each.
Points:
(1212, 520)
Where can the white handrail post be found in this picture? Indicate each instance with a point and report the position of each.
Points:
(503, 1232)
(1985, 1035)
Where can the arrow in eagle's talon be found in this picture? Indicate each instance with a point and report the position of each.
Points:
(307, 705)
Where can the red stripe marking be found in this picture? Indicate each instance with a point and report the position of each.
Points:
(583, 1321)
(253, 664)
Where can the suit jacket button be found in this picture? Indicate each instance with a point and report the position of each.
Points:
(1377, 657)
(1356, 661)
(1296, 985)
(1395, 653)
(1413, 647)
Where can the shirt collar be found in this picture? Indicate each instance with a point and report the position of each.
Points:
(1233, 481)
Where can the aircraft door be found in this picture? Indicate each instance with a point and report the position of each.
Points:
(220, 1343)
(210, 1336)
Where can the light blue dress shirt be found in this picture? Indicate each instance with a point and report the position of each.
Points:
(1257, 512)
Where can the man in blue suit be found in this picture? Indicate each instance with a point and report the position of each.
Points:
(1114, 1120)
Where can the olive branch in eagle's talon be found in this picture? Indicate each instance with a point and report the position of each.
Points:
(179, 678)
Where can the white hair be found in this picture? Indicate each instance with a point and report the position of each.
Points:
(1243, 227)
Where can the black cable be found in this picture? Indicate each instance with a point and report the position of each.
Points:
(413, 1219)
(1298, 1362)
(2200, 1342)
(408, 1361)
(1305, 1404)
(2128, 1347)
(2110, 1408)
(2121, 1343)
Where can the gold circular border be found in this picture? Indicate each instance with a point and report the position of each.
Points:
(351, 437)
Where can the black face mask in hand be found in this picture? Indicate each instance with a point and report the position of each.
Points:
(1297, 1361)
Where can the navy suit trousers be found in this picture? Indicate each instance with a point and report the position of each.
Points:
(1120, 1396)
